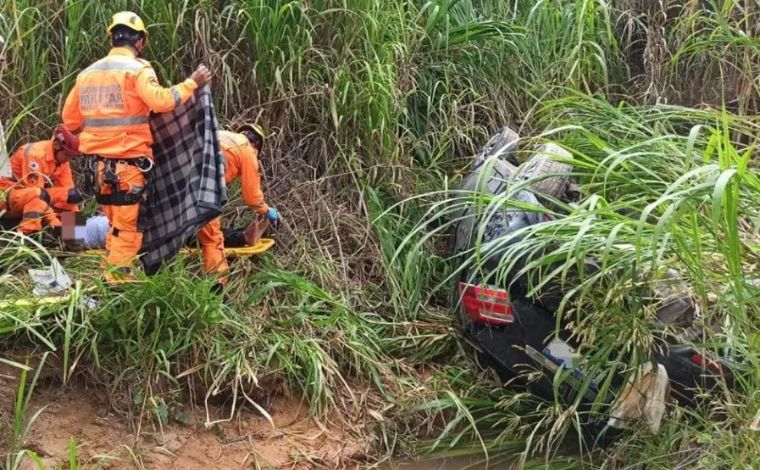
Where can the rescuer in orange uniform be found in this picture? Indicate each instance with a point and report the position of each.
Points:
(42, 182)
(110, 104)
(241, 160)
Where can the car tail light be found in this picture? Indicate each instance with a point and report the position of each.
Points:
(487, 305)
(702, 361)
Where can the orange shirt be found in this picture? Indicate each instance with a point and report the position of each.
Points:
(241, 160)
(111, 103)
(34, 165)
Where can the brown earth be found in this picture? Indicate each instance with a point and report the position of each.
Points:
(105, 441)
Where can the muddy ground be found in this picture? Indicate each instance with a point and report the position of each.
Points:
(106, 441)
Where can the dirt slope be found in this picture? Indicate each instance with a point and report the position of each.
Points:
(249, 441)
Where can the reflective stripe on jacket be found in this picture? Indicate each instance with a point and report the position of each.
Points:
(111, 103)
(241, 160)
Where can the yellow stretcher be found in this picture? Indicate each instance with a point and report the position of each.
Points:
(261, 246)
(34, 301)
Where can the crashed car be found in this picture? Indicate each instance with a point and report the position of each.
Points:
(519, 335)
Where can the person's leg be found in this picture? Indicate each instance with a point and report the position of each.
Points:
(32, 205)
(234, 238)
(124, 239)
(51, 217)
(211, 239)
(96, 231)
(109, 215)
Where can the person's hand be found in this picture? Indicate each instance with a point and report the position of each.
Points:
(201, 76)
(273, 215)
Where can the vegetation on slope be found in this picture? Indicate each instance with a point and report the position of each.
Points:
(372, 104)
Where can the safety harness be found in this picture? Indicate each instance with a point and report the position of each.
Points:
(111, 178)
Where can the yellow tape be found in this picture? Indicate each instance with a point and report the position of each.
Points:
(260, 247)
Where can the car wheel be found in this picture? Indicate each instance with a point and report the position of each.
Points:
(504, 143)
(546, 162)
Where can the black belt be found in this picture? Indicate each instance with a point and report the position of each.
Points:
(118, 197)
(143, 163)
(121, 198)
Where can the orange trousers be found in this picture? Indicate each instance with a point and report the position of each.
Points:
(33, 206)
(124, 239)
(211, 239)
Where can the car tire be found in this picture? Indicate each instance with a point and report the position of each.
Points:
(502, 144)
(545, 162)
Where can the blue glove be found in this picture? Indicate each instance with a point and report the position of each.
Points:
(273, 215)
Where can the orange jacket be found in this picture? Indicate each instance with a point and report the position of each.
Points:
(241, 159)
(34, 165)
(111, 102)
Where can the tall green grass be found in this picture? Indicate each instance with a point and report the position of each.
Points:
(21, 424)
(695, 52)
(662, 188)
(370, 104)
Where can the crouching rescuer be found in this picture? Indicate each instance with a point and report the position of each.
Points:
(241, 159)
(42, 184)
(110, 106)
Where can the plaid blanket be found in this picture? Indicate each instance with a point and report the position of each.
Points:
(186, 187)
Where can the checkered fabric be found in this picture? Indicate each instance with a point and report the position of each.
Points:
(186, 187)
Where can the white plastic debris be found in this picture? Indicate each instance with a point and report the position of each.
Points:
(52, 280)
(561, 351)
(643, 396)
(89, 303)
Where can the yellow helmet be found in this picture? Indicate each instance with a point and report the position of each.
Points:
(128, 19)
(255, 128)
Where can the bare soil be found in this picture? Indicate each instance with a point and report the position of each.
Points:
(105, 441)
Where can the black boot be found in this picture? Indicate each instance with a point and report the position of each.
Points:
(217, 288)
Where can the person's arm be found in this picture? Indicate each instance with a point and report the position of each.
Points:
(64, 193)
(158, 98)
(250, 180)
(71, 114)
(64, 178)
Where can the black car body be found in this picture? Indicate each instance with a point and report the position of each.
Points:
(519, 335)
